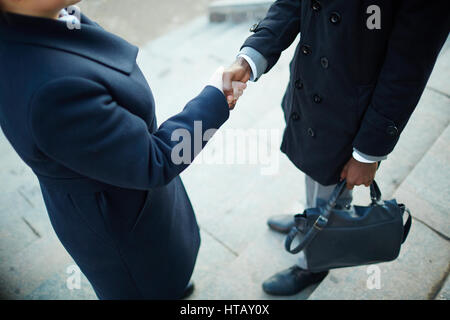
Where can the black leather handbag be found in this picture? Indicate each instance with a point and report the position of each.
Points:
(334, 239)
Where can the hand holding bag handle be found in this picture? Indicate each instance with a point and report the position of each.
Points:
(322, 220)
(319, 224)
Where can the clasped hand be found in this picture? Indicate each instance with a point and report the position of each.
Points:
(232, 81)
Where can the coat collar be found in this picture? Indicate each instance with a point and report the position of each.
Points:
(91, 41)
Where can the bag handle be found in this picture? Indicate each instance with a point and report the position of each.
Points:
(408, 222)
(319, 224)
(375, 193)
(322, 220)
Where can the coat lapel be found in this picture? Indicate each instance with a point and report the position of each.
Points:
(91, 41)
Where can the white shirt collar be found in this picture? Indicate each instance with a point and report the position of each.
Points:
(65, 16)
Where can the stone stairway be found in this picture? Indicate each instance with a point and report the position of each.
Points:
(233, 201)
(420, 179)
(238, 10)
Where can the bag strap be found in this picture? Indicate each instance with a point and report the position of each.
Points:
(322, 220)
(318, 225)
(407, 225)
(375, 193)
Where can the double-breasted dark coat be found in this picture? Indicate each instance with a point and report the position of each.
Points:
(356, 77)
(78, 111)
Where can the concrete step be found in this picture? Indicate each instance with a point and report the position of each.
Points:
(242, 278)
(238, 10)
(426, 191)
(423, 264)
(417, 174)
(264, 254)
(444, 292)
(232, 202)
(440, 78)
(34, 263)
(177, 75)
(26, 273)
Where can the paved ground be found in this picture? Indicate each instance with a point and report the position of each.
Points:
(141, 21)
(232, 202)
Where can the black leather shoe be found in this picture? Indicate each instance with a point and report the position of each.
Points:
(291, 281)
(281, 223)
(188, 291)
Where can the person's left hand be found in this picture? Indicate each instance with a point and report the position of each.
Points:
(358, 173)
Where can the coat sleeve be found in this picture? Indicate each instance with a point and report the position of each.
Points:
(276, 31)
(420, 30)
(77, 123)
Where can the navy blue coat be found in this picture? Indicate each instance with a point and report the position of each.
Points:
(78, 111)
(350, 86)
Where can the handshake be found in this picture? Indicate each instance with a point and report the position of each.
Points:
(232, 81)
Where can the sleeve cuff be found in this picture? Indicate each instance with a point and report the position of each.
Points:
(377, 135)
(252, 66)
(365, 158)
(258, 63)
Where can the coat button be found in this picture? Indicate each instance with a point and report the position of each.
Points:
(316, 6)
(392, 130)
(311, 132)
(254, 27)
(335, 17)
(298, 84)
(295, 116)
(324, 62)
(306, 50)
(317, 98)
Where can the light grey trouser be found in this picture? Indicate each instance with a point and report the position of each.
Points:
(317, 195)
